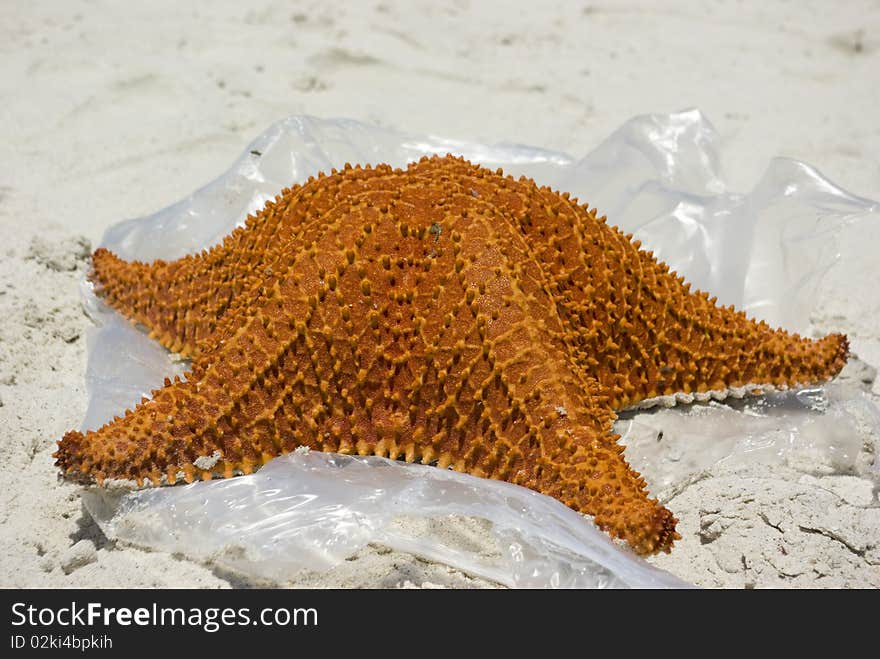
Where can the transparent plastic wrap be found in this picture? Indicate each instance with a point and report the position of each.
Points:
(658, 177)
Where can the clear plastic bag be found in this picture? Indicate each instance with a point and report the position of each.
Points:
(657, 176)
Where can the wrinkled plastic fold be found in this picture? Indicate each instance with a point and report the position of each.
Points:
(309, 511)
(658, 177)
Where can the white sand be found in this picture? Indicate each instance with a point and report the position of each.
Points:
(111, 111)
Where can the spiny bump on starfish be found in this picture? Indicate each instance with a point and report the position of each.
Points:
(442, 313)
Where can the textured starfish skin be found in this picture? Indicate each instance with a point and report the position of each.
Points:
(442, 313)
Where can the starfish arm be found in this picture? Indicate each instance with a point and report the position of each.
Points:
(567, 447)
(659, 337)
(179, 302)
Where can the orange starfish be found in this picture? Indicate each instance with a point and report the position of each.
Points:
(442, 313)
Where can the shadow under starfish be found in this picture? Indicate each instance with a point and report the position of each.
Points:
(442, 313)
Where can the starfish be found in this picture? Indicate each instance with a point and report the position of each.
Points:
(442, 313)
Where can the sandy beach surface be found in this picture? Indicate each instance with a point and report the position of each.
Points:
(110, 110)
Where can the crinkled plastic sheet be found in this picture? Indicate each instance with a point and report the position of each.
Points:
(658, 177)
